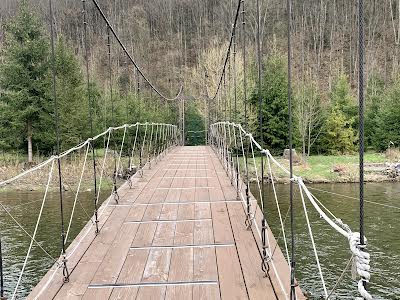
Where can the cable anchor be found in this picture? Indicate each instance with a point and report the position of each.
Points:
(265, 257)
(65, 269)
(115, 190)
(249, 218)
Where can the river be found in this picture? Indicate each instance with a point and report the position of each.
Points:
(381, 225)
(381, 229)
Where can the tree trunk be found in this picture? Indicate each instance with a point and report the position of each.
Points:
(29, 138)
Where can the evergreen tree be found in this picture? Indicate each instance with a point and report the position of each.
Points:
(339, 135)
(72, 97)
(275, 107)
(24, 78)
(342, 99)
(388, 119)
(374, 97)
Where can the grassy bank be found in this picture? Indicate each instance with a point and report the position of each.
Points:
(328, 168)
(12, 164)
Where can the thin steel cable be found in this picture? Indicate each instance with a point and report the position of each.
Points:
(110, 77)
(292, 216)
(234, 79)
(58, 137)
(91, 107)
(361, 113)
(244, 64)
(265, 266)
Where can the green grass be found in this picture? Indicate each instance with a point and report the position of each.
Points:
(319, 168)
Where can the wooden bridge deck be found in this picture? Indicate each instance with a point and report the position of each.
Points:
(179, 233)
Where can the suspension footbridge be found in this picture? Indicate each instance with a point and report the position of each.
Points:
(183, 222)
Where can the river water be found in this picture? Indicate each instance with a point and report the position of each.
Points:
(382, 230)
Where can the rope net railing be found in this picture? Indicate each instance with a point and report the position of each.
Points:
(238, 151)
(139, 146)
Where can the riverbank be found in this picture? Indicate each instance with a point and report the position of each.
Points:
(330, 169)
(12, 165)
(314, 169)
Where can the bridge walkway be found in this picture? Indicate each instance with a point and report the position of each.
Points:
(178, 233)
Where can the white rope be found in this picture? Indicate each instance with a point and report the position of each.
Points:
(101, 211)
(103, 167)
(120, 152)
(35, 231)
(281, 284)
(77, 193)
(361, 264)
(150, 142)
(362, 258)
(258, 178)
(76, 148)
(134, 147)
(279, 210)
(313, 243)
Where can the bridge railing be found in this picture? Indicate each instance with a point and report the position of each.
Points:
(118, 155)
(238, 150)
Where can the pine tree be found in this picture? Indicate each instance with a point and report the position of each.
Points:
(388, 119)
(339, 135)
(275, 107)
(374, 97)
(24, 77)
(72, 97)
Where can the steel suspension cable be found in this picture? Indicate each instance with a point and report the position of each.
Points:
(292, 221)
(234, 79)
(264, 264)
(244, 64)
(57, 123)
(362, 244)
(228, 52)
(130, 57)
(114, 188)
(91, 107)
(1, 272)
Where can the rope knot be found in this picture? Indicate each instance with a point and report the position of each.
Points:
(296, 179)
(265, 152)
(361, 265)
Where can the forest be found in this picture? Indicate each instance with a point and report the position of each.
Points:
(184, 42)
